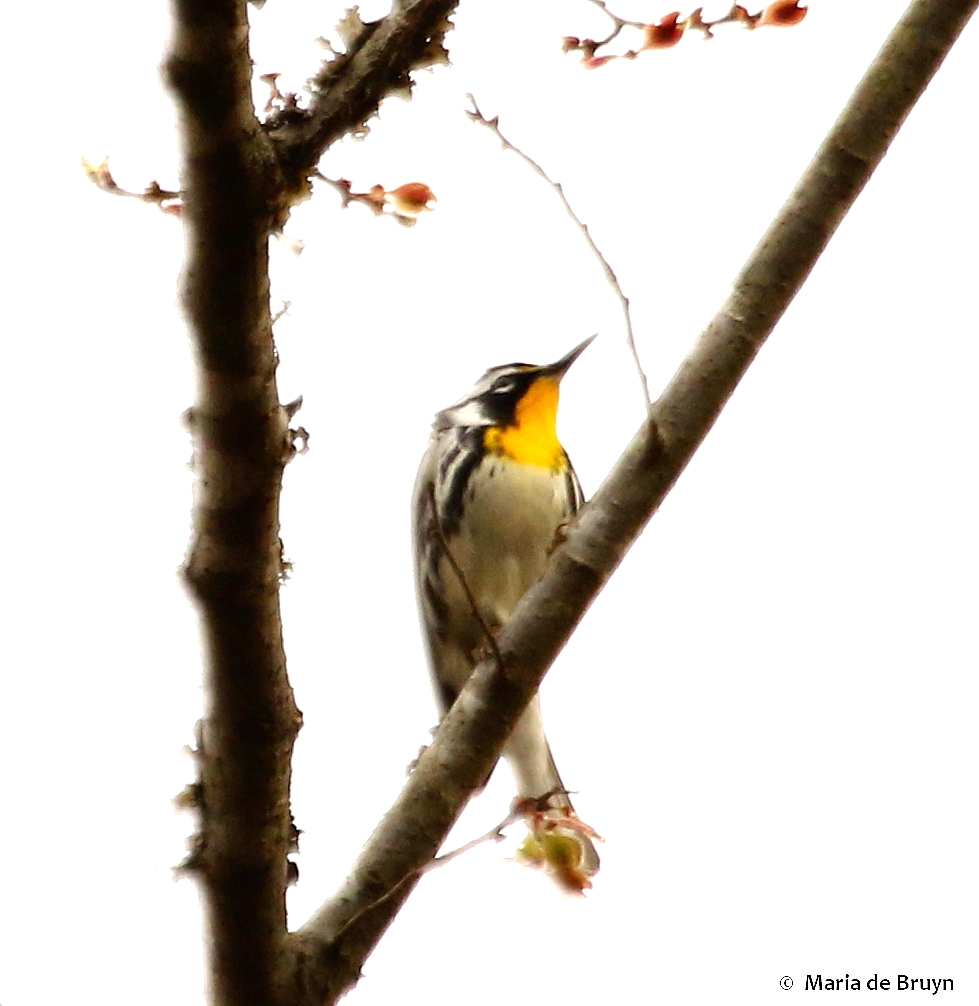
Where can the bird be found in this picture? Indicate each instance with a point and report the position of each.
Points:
(493, 491)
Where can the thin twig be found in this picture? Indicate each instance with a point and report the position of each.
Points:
(495, 834)
(403, 203)
(101, 177)
(477, 614)
(619, 24)
(374, 199)
(494, 126)
(670, 28)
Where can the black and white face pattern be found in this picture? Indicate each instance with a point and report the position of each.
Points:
(492, 400)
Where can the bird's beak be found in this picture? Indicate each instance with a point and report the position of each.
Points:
(560, 368)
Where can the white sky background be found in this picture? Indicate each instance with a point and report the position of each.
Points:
(769, 713)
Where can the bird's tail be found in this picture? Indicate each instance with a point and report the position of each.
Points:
(559, 840)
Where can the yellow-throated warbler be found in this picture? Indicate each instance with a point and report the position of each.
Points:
(493, 489)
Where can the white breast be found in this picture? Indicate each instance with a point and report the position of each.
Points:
(512, 513)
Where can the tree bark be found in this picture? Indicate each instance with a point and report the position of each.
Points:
(241, 444)
(238, 183)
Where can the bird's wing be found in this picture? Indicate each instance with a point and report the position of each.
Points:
(576, 498)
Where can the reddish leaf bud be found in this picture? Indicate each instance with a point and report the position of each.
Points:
(664, 34)
(100, 175)
(783, 13)
(411, 199)
(696, 21)
(569, 43)
(590, 62)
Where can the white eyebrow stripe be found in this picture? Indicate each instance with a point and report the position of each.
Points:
(468, 414)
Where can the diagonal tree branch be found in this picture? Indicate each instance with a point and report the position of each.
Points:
(333, 945)
(348, 89)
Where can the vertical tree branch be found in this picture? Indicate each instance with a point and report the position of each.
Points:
(239, 179)
(241, 444)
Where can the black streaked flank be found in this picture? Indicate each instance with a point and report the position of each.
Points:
(458, 464)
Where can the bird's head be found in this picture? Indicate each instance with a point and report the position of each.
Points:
(516, 404)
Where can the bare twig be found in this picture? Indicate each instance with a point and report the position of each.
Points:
(471, 600)
(669, 29)
(373, 198)
(403, 204)
(276, 100)
(618, 23)
(495, 834)
(101, 177)
(494, 126)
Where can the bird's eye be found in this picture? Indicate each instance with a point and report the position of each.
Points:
(503, 387)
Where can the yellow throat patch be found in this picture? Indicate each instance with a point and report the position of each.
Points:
(532, 439)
